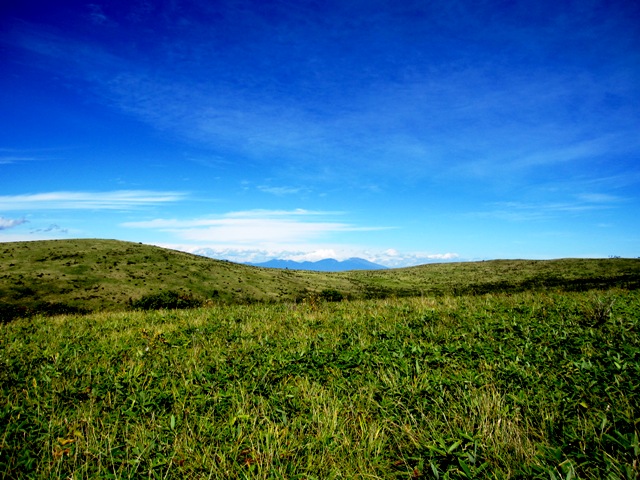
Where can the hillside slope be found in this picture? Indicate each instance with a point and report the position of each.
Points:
(106, 274)
(90, 274)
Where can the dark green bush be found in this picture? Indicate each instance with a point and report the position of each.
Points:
(167, 299)
(9, 312)
(57, 308)
(331, 295)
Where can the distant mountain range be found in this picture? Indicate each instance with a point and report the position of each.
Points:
(326, 265)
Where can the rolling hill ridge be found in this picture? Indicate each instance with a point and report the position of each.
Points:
(59, 276)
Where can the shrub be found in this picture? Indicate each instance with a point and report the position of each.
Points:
(331, 295)
(167, 299)
(57, 308)
(10, 312)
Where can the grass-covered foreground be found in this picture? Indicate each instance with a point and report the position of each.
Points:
(527, 385)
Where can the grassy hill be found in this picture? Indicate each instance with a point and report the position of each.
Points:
(85, 275)
(501, 369)
(91, 275)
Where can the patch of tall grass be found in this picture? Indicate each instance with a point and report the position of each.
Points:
(525, 385)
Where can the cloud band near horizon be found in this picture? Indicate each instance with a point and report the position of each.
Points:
(118, 199)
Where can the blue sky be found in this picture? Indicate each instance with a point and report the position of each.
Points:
(403, 132)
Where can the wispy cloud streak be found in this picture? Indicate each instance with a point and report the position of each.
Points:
(444, 117)
(119, 199)
(255, 227)
(523, 211)
(6, 223)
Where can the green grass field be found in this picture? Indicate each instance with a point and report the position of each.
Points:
(508, 369)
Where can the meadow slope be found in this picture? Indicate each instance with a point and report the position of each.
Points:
(66, 276)
(526, 385)
(501, 369)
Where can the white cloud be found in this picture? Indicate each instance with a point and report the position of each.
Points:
(312, 252)
(96, 14)
(119, 199)
(576, 151)
(6, 223)
(453, 113)
(531, 211)
(279, 191)
(262, 235)
(395, 259)
(252, 227)
(262, 231)
(9, 159)
(261, 213)
(51, 228)
(599, 198)
(315, 255)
